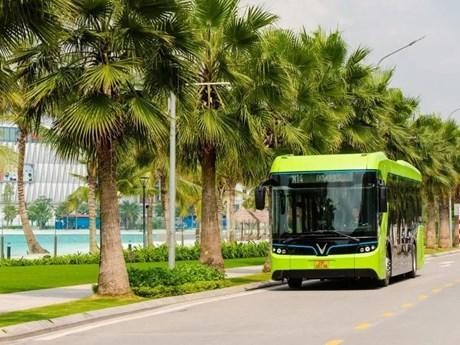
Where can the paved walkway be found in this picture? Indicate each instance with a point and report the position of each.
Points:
(242, 271)
(39, 298)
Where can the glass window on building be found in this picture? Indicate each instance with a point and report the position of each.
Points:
(9, 134)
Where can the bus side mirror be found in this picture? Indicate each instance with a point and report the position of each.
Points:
(383, 199)
(260, 197)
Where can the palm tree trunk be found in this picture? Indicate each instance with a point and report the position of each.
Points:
(431, 226)
(149, 223)
(230, 212)
(32, 243)
(92, 207)
(211, 253)
(165, 206)
(113, 276)
(268, 261)
(444, 234)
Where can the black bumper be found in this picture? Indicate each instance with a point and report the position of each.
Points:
(325, 274)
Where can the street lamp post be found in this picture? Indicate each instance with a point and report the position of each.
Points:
(172, 182)
(144, 180)
(399, 49)
(172, 172)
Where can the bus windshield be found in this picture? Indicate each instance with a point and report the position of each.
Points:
(325, 204)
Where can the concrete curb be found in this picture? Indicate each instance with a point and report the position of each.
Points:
(450, 252)
(34, 328)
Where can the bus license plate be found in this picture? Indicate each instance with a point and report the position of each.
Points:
(321, 265)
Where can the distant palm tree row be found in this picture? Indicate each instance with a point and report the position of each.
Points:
(101, 70)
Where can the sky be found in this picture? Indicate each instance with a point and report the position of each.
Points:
(428, 70)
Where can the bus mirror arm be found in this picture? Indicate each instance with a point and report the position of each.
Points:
(383, 198)
(260, 197)
(260, 192)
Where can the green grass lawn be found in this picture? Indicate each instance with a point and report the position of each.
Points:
(64, 309)
(23, 278)
(95, 303)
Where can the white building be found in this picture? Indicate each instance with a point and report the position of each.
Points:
(45, 173)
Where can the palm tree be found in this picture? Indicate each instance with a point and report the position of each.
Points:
(31, 63)
(433, 144)
(118, 54)
(129, 213)
(87, 194)
(210, 130)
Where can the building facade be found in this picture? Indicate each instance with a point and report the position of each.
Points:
(45, 173)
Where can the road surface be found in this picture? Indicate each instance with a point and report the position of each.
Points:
(424, 310)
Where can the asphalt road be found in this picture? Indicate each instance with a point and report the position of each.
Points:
(424, 310)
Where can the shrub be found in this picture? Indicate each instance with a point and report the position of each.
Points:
(156, 254)
(182, 274)
(165, 291)
(187, 278)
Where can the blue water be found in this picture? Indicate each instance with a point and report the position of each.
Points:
(66, 243)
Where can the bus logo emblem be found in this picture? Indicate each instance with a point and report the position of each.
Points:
(321, 250)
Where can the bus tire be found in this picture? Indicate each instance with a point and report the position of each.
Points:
(388, 268)
(295, 283)
(413, 272)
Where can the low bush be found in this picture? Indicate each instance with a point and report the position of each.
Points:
(155, 254)
(187, 273)
(161, 282)
(166, 291)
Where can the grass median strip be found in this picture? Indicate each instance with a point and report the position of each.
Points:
(95, 303)
(25, 278)
(64, 309)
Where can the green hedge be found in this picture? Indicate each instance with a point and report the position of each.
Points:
(161, 282)
(187, 273)
(166, 291)
(156, 254)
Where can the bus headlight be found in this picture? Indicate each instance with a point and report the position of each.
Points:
(366, 248)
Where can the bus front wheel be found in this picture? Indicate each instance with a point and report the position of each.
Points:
(295, 283)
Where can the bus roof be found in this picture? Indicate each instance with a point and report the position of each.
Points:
(356, 161)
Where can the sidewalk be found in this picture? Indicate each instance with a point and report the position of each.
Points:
(39, 298)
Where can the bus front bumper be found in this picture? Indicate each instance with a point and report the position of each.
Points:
(362, 265)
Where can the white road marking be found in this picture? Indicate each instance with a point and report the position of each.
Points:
(445, 264)
(142, 315)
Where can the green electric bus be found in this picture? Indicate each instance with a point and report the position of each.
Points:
(344, 216)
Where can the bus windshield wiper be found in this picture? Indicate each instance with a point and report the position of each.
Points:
(337, 233)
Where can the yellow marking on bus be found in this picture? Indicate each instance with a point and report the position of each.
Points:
(388, 314)
(448, 285)
(334, 342)
(407, 305)
(362, 326)
(436, 290)
(422, 297)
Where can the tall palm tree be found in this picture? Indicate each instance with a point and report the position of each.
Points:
(113, 51)
(87, 194)
(211, 130)
(434, 160)
(31, 62)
